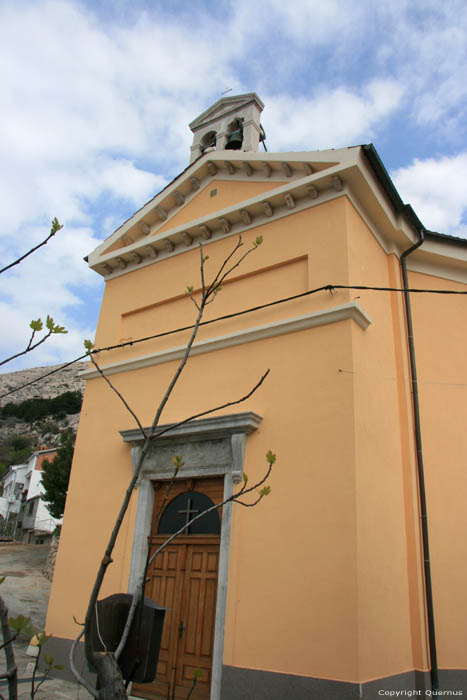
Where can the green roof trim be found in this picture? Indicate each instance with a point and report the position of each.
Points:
(388, 186)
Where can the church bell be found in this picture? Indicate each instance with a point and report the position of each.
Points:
(234, 141)
(235, 138)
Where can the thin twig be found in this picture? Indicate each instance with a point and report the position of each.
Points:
(193, 686)
(239, 262)
(142, 579)
(12, 639)
(230, 499)
(29, 347)
(95, 657)
(140, 585)
(98, 629)
(12, 669)
(106, 560)
(44, 678)
(250, 505)
(75, 671)
(114, 389)
(138, 593)
(55, 227)
(33, 680)
(229, 257)
(173, 426)
(203, 260)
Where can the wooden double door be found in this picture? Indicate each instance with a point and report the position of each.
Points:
(183, 578)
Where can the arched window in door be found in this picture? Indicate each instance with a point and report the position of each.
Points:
(183, 508)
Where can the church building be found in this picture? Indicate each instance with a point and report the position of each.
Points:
(349, 580)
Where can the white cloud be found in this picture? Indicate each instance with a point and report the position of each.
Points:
(331, 119)
(91, 120)
(313, 23)
(436, 190)
(52, 281)
(96, 105)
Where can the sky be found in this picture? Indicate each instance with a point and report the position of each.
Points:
(96, 97)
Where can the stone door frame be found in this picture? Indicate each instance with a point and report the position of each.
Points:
(211, 447)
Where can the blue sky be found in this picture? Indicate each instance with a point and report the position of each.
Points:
(97, 96)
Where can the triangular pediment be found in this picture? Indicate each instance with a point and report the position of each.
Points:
(225, 106)
(173, 219)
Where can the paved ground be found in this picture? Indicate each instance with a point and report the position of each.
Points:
(26, 591)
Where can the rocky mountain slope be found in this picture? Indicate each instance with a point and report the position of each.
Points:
(65, 380)
(43, 432)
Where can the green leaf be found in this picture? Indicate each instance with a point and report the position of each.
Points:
(270, 457)
(265, 491)
(88, 345)
(42, 638)
(48, 659)
(2, 579)
(49, 322)
(59, 667)
(177, 461)
(245, 478)
(36, 325)
(56, 226)
(190, 289)
(197, 673)
(258, 241)
(22, 624)
(59, 329)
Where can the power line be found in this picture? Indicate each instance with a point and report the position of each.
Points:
(324, 288)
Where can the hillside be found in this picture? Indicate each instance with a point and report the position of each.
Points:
(19, 438)
(65, 380)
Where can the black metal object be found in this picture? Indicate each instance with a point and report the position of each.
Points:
(421, 476)
(138, 660)
(412, 219)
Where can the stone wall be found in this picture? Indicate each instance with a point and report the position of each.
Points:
(50, 566)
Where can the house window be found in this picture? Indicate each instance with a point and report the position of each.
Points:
(183, 508)
(31, 508)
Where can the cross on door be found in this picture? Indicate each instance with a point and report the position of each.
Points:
(189, 513)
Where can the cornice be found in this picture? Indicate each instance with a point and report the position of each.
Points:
(225, 165)
(249, 335)
(280, 202)
(304, 180)
(211, 428)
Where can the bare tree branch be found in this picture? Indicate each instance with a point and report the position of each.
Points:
(208, 510)
(75, 671)
(105, 663)
(138, 594)
(114, 389)
(12, 639)
(211, 410)
(54, 228)
(29, 347)
(220, 278)
(12, 670)
(91, 656)
(226, 261)
(142, 579)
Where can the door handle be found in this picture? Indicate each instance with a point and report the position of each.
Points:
(181, 627)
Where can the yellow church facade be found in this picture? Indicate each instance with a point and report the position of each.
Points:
(323, 589)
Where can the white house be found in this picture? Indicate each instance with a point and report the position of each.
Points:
(11, 499)
(25, 514)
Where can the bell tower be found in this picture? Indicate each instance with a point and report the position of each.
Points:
(231, 123)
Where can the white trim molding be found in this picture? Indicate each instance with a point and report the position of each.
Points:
(352, 310)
